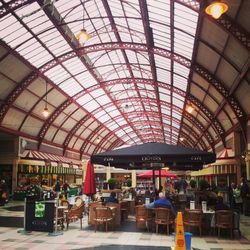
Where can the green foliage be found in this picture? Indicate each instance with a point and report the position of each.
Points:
(193, 183)
(112, 183)
(129, 182)
(203, 184)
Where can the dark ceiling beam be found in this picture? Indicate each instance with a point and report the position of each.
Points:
(11, 98)
(115, 144)
(227, 95)
(7, 8)
(197, 68)
(88, 140)
(114, 82)
(73, 132)
(233, 29)
(201, 128)
(102, 141)
(67, 34)
(191, 133)
(212, 119)
(81, 51)
(117, 35)
(50, 121)
(172, 32)
(188, 139)
(150, 44)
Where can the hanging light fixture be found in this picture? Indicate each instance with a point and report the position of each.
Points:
(216, 8)
(83, 35)
(46, 110)
(189, 109)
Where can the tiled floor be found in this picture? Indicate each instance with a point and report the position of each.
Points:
(125, 238)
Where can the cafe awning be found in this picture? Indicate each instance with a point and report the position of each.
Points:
(144, 155)
(42, 156)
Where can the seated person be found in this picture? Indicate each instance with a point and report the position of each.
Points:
(220, 205)
(161, 202)
(211, 197)
(112, 198)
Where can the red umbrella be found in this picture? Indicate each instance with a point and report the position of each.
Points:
(164, 173)
(89, 183)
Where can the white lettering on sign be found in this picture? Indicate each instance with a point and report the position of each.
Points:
(196, 158)
(151, 158)
(108, 159)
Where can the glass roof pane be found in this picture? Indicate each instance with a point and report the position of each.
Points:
(71, 87)
(105, 63)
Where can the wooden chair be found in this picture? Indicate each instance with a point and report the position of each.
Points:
(193, 218)
(163, 216)
(143, 216)
(224, 219)
(75, 213)
(60, 217)
(124, 210)
(65, 204)
(103, 216)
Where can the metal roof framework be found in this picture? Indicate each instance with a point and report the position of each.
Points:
(132, 81)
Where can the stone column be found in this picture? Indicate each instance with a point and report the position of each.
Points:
(133, 175)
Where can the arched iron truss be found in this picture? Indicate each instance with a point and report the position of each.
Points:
(225, 22)
(88, 140)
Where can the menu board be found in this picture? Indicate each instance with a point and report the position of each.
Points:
(39, 216)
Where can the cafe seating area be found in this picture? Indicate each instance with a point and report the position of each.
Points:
(126, 235)
(110, 217)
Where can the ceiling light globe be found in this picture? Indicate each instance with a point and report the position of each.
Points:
(83, 36)
(190, 109)
(216, 9)
(45, 112)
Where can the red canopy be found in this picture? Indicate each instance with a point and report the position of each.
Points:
(89, 183)
(164, 173)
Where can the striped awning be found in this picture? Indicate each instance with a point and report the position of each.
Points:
(37, 155)
(225, 153)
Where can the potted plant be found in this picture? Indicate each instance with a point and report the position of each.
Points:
(112, 183)
(203, 184)
(192, 183)
(129, 182)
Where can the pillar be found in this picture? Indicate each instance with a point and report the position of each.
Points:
(84, 168)
(133, 174)
(108, 173)
(247, 159)
(14, 174)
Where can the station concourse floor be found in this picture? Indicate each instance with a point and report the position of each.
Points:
(125, 238)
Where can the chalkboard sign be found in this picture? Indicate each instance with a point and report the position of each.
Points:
(39, 216)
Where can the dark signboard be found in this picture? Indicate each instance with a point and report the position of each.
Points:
(39, 216)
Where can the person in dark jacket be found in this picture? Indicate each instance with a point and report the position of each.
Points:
(220, 205)
(245, 194)
(112, 198)
(161, 202)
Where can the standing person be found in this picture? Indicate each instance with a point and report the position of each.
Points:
(238, 198)
(57, 188)
(3, 192)
(66, 189)
(244, 192)
(231, 195)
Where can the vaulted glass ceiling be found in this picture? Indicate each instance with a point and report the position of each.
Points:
(132, 74)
